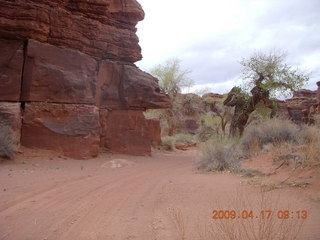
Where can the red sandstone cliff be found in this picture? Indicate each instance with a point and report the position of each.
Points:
(70, 65)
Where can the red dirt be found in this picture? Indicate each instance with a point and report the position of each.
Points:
(120, 197)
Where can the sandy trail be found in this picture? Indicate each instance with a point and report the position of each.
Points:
(118, 197)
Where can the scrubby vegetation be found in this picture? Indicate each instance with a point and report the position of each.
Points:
(221, 154)
(7, 141)
(243, 227)
(302, 144)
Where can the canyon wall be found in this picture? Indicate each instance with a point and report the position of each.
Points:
(68, 77)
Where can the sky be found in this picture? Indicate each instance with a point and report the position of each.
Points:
(210, 37)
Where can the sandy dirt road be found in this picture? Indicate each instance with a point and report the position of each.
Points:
(116, 197)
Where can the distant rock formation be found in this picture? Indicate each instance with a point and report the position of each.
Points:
(69, 64)
(300, 106)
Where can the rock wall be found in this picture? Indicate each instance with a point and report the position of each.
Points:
(70, 64)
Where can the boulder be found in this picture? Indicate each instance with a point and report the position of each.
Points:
(126, 131)
(71, 129)
(123, 86)
(10, 128)
(11, 62)
(54, 74)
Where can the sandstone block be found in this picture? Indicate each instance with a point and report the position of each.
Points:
(11, 63)
(71, 129)
(127, 87)
(53, 74)
(126, 132)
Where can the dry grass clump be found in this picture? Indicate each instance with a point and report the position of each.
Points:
(168, 142)
(273, 131)
(180, 222)
(258, 226)
(221, 154)
(286, 138)
(281, 137)
(7, 141)
(309, 140)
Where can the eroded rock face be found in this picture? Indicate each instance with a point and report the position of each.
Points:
(54, 74)
(11, 62)
(71, 63)
(123, 86)
(104, 29)
(71, 129)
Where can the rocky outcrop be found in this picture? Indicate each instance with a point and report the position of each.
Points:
(71, 65)
(122, 86)
(212, 95)
(300, 104)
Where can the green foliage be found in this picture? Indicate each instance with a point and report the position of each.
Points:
(171, 77)
(271, 73)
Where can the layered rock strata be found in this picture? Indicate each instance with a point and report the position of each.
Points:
(70, 64)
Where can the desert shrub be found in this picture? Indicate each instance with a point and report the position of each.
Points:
(262, 228)
(204, 133)
(7, 141)
(167, 142)
(183, 138)
(309, 140)
(220, 154)
(251, 226)
(273, 131)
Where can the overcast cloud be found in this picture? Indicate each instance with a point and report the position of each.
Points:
(212, 36)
